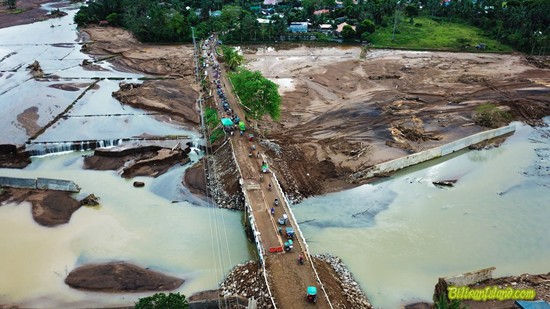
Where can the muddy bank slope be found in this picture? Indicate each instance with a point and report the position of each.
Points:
(120, 277)
(539, 283)
(30, 13)
(342, 113)
(49, 208)
(150, 161)
(169, 89)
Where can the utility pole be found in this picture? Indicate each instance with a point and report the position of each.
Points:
(195, 54)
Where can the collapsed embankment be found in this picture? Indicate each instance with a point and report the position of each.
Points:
(221, 181)
(141, 161)
(533, 287)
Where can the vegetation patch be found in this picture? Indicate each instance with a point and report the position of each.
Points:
(258, 94)
(161, 301)
(439, 25)
(212, 121)
(432, 34)
(489, 115)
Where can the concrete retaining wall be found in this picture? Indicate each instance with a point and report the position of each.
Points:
(433, 153)
(471, 277)
(18, 182)
(56, 184)
(39, 183)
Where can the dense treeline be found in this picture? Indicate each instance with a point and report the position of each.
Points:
(524, 24)
(150, 21)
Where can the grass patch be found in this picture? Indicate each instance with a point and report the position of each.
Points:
(489, 115)
(426, 33)
(16, 11)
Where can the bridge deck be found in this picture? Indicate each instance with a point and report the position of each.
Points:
(288, 279)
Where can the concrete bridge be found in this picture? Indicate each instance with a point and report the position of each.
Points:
(287, 280)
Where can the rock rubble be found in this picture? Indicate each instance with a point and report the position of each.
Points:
(350, 287)
(247, 280)
(223, 179)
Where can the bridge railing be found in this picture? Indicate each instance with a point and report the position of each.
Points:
(255, 230)
(301, 238)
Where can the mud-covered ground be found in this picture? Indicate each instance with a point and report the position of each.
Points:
(341, 112)
(169, 90)
(26, 12)
(344, 109)
(49, 208)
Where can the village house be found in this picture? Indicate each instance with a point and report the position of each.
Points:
(325, 28)
(341, 26)
(321, 12)
(298, 27)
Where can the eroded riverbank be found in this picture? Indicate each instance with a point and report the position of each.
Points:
(316, 154)
(129, 222)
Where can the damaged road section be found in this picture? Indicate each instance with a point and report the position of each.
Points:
(141, 161)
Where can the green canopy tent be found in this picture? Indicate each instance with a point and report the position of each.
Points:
(242, 126)
(226, 122)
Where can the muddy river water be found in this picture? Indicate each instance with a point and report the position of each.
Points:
(397, 236)
(161, 226)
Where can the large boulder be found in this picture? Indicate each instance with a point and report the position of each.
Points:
(120, 277)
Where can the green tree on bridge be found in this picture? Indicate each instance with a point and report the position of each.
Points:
(258, 94)
(231, 57)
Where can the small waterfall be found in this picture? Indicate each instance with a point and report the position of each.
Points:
(47, 148)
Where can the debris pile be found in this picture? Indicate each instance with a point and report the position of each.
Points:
(56, 13)
(267, 144)
(349, 286)
(247, 280)
(223, 179)
(385, 76)
(413, 133)
(90, 200)
(471, 79)
(36, 69)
